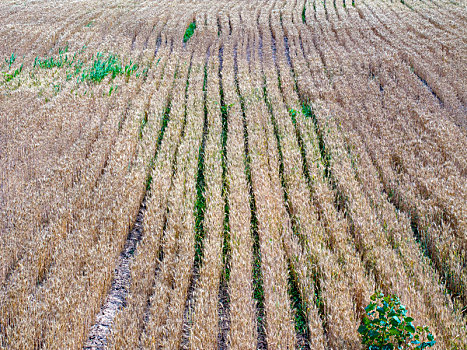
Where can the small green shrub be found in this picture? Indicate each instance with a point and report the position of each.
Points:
(386, 326)
(189, 31)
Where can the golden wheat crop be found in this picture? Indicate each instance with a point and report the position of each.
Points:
(215, 175)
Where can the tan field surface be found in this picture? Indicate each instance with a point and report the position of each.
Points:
(230, 174)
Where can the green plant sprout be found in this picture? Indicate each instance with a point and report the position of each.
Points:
(306, 109)
(11, 76)
(52, 62)
(189, 31)
(226, 109)
(130, 68)
(78, 66)
(106, 65)
(144, 121)
(113, 89)
(386, 326)
(11, 60)
(102, 67)
(144, 73)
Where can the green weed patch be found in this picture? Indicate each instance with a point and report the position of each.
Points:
(11, 60)
(189, 32)
(11, 76)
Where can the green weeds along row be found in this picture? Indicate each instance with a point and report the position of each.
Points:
(66, 66)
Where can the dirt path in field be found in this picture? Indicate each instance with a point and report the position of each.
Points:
(120, 285)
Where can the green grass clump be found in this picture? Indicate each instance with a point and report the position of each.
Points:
(130, 68)
(48, 63)
(189, 31)
(101, 66)
(104, 66)
(73, 66)
(11, 60)
(11, 76)
(52, 62)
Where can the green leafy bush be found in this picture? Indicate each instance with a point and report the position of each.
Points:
(386, 326)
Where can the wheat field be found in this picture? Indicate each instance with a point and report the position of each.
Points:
(230, 174)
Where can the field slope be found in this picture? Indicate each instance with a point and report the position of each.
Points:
(230, 174)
